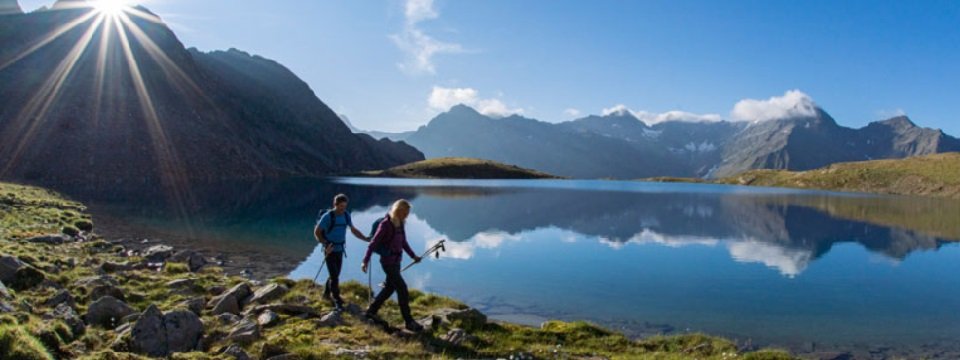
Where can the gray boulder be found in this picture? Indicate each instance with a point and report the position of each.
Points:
(195, 305)
(158, 334)
(107, 312)
(184, 329)
(331, 319)
(112, 267)
(157, 253)
(228, 319)
(245, 332)
(268, 319)
(27, 277)
(52, 239)
(457, 336)
(236, 352)
(61, 297)
(71, 318)
(106, 290)
(193, 260)
(467, 318)
(8, 268)
(98, 280)
(225, 304)
(148, 335)
(286, 309)
(268, 293)
(4, 293)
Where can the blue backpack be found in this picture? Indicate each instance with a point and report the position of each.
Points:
(333, 220)
(380, 248)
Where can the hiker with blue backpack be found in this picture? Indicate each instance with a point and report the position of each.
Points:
(390, 241)
(331, 232)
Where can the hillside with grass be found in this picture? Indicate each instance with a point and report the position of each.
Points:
(459, 168)
(930, 175)
(67, 293)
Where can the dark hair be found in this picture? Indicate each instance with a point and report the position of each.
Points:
(340, 198)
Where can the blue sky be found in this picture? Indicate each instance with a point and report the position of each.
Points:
(392, 65)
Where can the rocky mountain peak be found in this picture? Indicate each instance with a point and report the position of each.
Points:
(10, 7)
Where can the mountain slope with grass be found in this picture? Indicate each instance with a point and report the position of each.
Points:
(459, 168)
(930, 175)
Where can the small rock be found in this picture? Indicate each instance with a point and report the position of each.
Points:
(111, 267)
(8, 268)
(286, 309)
(284, 357)
(193, 260)
(268, 319)
(331, 319)
(225, 304)
(216, 290)
(61, 297)
(467, 318)
(158, 253)
(27, 277)
(182, 283)
(356, 354)
(53, 239)
(195, 305)
(106, 290)
(228, 319)
(245, 332)
(457, 336)
(107, 312)
(4, 293)
(129, 318)
(97, 281)
(71, 318)
(236, 352)
(268, 293)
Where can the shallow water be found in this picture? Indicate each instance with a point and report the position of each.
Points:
(804, 270)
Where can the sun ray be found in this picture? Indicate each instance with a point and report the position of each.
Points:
(171, 174)
(35, 111)
(50, 37)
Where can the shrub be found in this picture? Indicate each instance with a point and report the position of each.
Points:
(176, 268)
(84, 225)
(16, 343)
(70, 230)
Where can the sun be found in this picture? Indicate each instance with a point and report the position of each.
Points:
(110, 7)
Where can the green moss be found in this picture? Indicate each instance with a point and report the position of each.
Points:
(176, 268)
(17, 344)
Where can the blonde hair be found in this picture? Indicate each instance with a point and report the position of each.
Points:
(397, 205)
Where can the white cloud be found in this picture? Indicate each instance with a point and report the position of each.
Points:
(651, 118)
(571, 112)
(420, 47)
(419, 10)
(793, 103)
(790, 262)
(442, 99)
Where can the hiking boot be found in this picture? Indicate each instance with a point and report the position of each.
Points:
(372, 317)
(414, 326)
(338, 306)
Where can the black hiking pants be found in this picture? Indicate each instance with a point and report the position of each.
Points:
(394, 283)
(334, 265)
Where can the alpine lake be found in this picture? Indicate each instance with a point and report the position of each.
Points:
(807, 271)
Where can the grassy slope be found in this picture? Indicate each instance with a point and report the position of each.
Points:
(932, 175)
(40, 211)
(459, 168)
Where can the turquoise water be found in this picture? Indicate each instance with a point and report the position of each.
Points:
(798, 269)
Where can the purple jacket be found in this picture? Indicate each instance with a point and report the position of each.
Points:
(395, 239)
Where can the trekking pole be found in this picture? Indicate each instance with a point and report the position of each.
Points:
(321, 268)
(436, 249)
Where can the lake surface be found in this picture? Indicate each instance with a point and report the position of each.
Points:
(808, 271)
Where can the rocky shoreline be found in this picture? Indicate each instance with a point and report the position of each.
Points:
(78, 295)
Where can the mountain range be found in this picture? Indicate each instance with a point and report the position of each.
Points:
(619, 145)
(81, 101)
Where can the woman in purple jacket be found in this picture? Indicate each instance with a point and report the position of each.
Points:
(391, 233)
